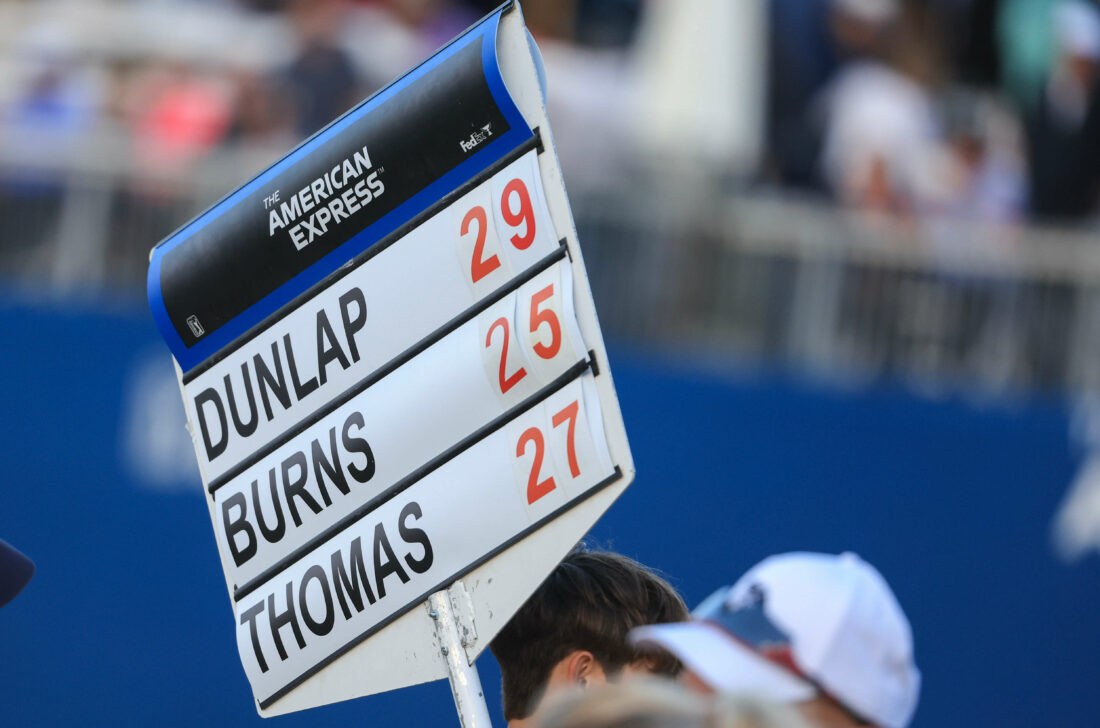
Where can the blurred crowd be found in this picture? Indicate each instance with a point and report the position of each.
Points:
(984, 110)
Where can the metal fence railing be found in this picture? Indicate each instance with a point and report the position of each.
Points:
(809, 285)
(678, 262)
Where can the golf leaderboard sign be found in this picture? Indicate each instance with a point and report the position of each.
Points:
(394, 377)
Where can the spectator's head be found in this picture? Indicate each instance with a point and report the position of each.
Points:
(821, 631)
(656, 703)
(317, 22)
(15, 571)
(572, 631)
(861, 27)
(1077, 32)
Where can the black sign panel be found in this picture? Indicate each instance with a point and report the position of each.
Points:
(301, 214)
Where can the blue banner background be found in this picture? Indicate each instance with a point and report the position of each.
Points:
(127, 619)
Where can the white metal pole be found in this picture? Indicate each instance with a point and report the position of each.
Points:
(465, 683)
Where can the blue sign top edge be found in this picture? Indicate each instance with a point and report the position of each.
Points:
(483, 32)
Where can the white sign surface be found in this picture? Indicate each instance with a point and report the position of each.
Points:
(415, 392)
(355, 454)
(422, 539)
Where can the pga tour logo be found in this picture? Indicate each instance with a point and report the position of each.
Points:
(476, 138)
(195, 326)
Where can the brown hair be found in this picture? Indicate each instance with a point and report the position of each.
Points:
(589, 602)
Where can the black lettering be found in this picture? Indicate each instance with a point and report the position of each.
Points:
(273, 535)
(244, 429)
(323, 465)
(391, 565)
(358, 579)
(327, 347)
(210, 396)
(412, 535)
(300, 390)
(324, 626)
(352, 325)
(276, 383)
(357, 445)
(250, 615)
(240, 525)
(278, 621)
(297, 487)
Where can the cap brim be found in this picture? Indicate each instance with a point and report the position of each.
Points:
(16, 571)
(724, 663)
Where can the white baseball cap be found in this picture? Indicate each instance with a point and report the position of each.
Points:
(800, 624)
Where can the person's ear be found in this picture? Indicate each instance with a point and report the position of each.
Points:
(583, 668)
